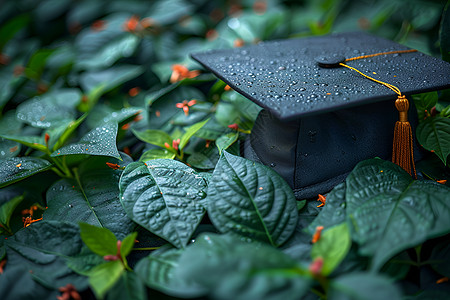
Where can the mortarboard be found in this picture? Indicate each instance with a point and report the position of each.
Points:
(321, 115)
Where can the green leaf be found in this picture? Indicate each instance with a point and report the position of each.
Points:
(154, 137)
(106, 54)
(226, 141)
(425, 102)
(239, 270)
(434, 135)
(66, 133)
(190, 131)
(43, 248)
(33, 142)
(10, 28)
(50, 110)
(36, 64)
(355, 286)
(99, 141)
(158, 271)
(129, 286)
(84, 261)
(6, 211)
(205, 159)
(103, 277)
(164, 196)
(156, 154)
(127, 245)
(92, 199)
(332, 246)
(18, 168)
(100, 240)
(388, 212)
(105, 80)
(251, 200)
(440, 256)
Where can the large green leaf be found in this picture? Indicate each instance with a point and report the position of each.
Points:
(356, 286)
(190, 131)
(251, 200)
(234, 269)
(98, 141)
(43, 247)
(389, 212)
(154, 137)
(332, 247)
(51, 109)
(92, 199)
(158, 271)
(164, 196)
(18, 168)
(434, 135)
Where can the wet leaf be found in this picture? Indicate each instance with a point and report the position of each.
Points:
(50, 110)
(434, 135)
(251, 200)
(226, 141)
(18, 168)
(92, 199)
(156, 154)
(164, 196)
(99, 141)
(154, 137)
(103, 277)
(388, 212)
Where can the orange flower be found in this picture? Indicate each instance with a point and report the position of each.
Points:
(46, 138)
(317, 234)
(260, 7)
(4, 59)
(2, 265)
(185, 105)
(443, 181)
(322, 199)
(238, 43)
(134, 91)
(131, 24)
(180, 72)
(441, 280)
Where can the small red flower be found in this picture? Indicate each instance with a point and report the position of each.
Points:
(176, 144)
(68, 292)
(443, 181)
(234, 126)
(113, 166)
(185, 105)
(316, 266)
(238, 43)
(46, 138)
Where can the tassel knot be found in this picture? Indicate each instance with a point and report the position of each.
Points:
(402, 152)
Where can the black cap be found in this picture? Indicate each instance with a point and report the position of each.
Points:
(321, 117)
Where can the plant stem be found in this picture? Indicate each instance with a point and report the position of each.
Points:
(146, 249)
(321, 295)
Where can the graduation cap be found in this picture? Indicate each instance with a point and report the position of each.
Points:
(329, 102)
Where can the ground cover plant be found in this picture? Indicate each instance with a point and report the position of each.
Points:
(121, 175)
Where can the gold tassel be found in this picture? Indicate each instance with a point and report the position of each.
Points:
(402, 152)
